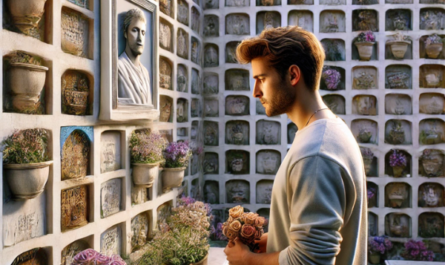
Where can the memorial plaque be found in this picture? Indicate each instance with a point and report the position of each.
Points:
(264, 191)
(237, 105)
(268, 162)
(75, 93)
(364, 105)
(268, 132)
(182, 46)
(237, 80)
(211, 83)
(237, 24)
(195, 19)
(397, 225)
(364, 77)
(139, 230)
(75, 33)
(110, 149)
(211, 133)
(365, 131)
(431, 103)
(431, 195)
(70, 251)
(211, 107)
(182, 79)
(211, 192)
(237, 3)
(211, 26)
(183, 12)
(211, 55)
(165, 75)
(36, 256)
(25, 225)
(431, 224)
(165, 35)
(74, 207)
(210, 163)
(237, 191)
(75, 155)
(303, 19)
(111, 241)
(237, 132)
(332, 21)
(196, 50)
(399, 104)
(398, 19)
(195, 81)
(110, 197)
(364, 19)
(237, 162)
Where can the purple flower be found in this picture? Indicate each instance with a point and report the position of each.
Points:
(331, 78)
(397, 159)
(86, 256)
(379, 244)
(416, 250)
(177, 154)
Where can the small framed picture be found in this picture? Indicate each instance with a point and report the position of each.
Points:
(129, 60)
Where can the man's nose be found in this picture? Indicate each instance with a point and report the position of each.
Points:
(256, 90)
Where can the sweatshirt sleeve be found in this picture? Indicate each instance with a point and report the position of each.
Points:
(317, 203)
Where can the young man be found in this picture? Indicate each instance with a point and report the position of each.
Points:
(318, 213)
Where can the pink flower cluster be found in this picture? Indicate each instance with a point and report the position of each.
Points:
(397, 159)
(416, 250)
(248, 227)
(177, 154)
(366, 36)
(379, 245)
(92, 257)
(331, 78)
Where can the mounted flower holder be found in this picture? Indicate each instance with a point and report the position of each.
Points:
(398, 162)
(433, 46)
(399, 45)
(365, 44)
(177, 156)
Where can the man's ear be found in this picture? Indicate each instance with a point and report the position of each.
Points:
(125, 33)
(294, 74)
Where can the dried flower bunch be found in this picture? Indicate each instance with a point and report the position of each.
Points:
(434, 38)
(146, 146)
(177, 154)
(397, 159)
(379, 245)
(92, 257)
(21, 57)
(331, 78)
(417, 250)
(248, 227)
(25, 147)
(366, 36)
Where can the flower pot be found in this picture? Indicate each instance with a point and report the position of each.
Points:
(27, 81)
(26, 181)
(397, 137)
(374, 258)
(26, 14)
(433, 50)
(398, 48)
(172, 178)
(204, 261)
(76, 101)
(144, 174)
(397, 171)
(365, 50)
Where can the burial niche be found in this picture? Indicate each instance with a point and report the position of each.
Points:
(237, 162)
(268, 162)
(237, 132)
(140, 230)
(264, 191)
(110, 197)
(430, 195)
(398, 104)
(75, 154)
(398, 195)
(111, 241)
(397, 225)
(77, 95)
(70, 251)
(237, 191)
(237, 80)
(110, 151)
(211, 163)
(237, 24)
(398, 132)
(76, 33)
(334, 49)
(237, 105)
(74, 207)
(211, 192)
(336, 103)
(211, 83)
(365, 131)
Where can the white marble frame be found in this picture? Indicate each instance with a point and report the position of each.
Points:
(110, 110)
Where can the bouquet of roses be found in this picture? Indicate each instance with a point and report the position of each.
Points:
(248, 227)
(92, 257)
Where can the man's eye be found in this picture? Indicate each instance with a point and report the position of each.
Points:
(143, 33)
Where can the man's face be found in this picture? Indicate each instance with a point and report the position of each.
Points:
(135, 36)
(276, 94)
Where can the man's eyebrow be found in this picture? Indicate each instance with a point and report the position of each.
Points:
(255, 77)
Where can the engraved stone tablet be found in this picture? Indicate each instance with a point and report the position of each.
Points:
(75, 33)
(237, 24)
(264, 191)
(74, 207)
(237, 132)
(139, 230)
(110, 197)
(237, 191)
(75, 155)
(268, 162)
(111, 241)
(268, 132)
(72, 250)
(110, 149)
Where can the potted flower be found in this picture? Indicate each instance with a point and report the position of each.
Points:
(365, 43)
(90, 256)
(26, 162)
(417, 250)
(431, 162)
(27, 80)
(433, 46)
(372, 192)
(378, 245)
(26, 14)
(398, 162)
(146, 155)
(177, 155)
(368, 157)
(399, 45)
(332, 78)
(397, 133)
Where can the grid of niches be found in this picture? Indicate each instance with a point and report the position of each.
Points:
(183, 118)
(381, 60)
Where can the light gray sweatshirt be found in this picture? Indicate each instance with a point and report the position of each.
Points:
(318, 212)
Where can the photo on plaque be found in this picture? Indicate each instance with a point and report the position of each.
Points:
(130, 89)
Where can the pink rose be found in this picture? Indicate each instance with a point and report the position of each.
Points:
(247, 231)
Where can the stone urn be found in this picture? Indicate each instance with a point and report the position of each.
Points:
(398, 48)
(397, 171)
(27, 81)
(433, 50)
(374, 258)
(26, 14)
(172, 178)
(27, 181)
(204, 261)
(144, 174)
(365, 50)
(76, 101)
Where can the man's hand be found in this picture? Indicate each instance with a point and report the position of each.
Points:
(262, 244)
(237, 253)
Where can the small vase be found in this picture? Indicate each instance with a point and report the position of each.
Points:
(26, 14)
(397, 171)
(365, 50)
(26, 181)
(433, 50)
(27, 82)
(172, 178)
(374, 258)
(204, 261)
(398, 48)
(144, 174)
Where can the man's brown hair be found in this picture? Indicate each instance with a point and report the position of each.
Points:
(286, 46)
